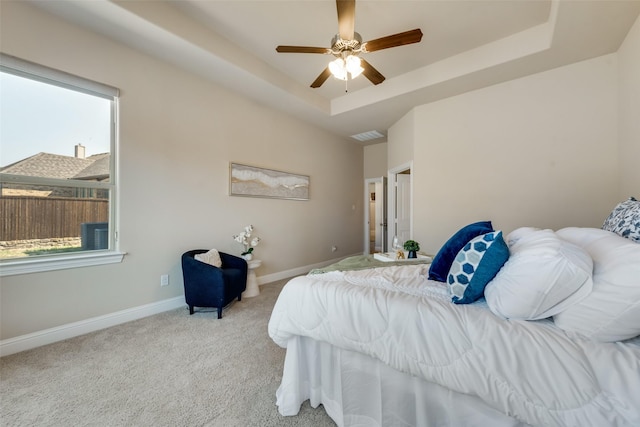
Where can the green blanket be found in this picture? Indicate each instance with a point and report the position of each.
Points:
(362, 262)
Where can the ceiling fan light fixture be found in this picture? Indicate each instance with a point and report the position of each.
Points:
(338, 69)
(342, 69)
(353, 66)
(347, 45)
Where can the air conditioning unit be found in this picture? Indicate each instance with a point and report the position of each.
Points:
(94, 235)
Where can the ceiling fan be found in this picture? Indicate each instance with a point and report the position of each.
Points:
(347, 46)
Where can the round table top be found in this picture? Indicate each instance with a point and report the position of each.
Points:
(254, 263)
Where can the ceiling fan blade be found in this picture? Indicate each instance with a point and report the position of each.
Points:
(321, 78)
(346, 18)
(371, 73)
(400, 39)
(302, 49)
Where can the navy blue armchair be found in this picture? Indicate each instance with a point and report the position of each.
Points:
(209, 286)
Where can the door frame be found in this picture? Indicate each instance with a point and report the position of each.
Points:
(392, 181)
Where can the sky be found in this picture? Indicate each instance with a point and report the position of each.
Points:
(37, 117)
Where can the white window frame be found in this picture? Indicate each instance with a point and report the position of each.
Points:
(14, 266)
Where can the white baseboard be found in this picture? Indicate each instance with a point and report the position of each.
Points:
(70, 330)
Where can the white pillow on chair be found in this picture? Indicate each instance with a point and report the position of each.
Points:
(212, 257)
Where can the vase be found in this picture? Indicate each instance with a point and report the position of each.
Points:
(412, 254)
(247, 257)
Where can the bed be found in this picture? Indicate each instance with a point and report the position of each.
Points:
(550, 339)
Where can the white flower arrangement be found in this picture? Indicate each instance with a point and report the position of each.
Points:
(246, 240)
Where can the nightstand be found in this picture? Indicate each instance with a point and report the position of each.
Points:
(252, 283)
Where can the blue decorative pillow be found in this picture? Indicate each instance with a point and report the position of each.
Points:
(625, 220)
(444, 258)
(476, 264)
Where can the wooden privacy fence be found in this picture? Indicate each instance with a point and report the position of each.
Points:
(27, 217)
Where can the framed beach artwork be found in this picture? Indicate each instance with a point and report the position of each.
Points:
(251, 181)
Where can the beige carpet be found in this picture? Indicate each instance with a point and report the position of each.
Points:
(170, 369)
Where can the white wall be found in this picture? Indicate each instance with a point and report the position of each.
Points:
(629, 110)
(537, 151)
(178, 134)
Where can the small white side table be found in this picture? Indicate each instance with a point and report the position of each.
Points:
(252, 283)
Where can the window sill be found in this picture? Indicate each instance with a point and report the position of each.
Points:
(36, 265)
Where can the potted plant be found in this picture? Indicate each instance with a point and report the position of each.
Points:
(412, 247)
(247, 241)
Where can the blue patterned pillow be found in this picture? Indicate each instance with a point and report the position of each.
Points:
(625, 220)
(444, 258)
(476, 264)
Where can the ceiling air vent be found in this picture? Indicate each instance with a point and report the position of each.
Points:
(367, 136)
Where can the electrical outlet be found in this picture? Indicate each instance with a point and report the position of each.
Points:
(164, 280)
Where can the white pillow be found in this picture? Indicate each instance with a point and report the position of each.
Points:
(519, 233)
(543, 276)
(612, 311)
(212, 257)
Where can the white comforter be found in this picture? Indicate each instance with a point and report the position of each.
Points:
(531, 371)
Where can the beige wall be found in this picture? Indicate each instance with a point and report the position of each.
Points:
(554, 149)
(629, 108)
(178, 134)
(537, 151)
(401, 140)
(375, 160)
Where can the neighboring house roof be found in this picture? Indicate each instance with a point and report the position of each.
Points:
(98, 169)
(48, 165)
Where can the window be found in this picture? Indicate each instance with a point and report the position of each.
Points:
(57, 169)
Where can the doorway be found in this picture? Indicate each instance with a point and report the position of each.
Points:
(375, 220)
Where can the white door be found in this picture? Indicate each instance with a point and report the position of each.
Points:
(403, 206)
